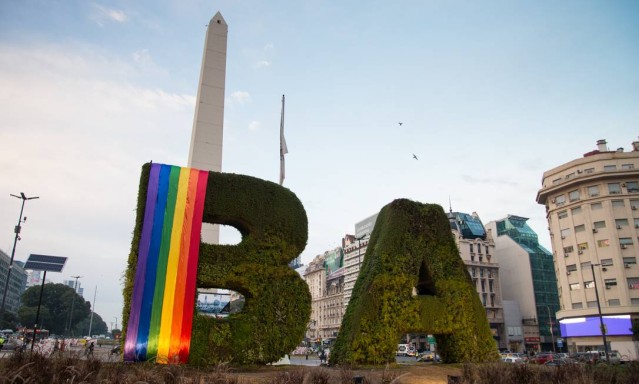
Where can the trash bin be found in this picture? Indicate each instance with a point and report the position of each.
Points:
(358, 379)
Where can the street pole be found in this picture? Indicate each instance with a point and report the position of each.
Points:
(552, 334)
(13, 252)
(359, 252)
(75, 288)
(35, 325)
(601, 322)
(92, 310)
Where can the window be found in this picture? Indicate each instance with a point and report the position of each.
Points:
(582, 246)
(571, 267)
(472, 257)
(483, 285)
(585, 265)
(618, 204)
(589, 170)
(592, 304)
(580, 228)
(599, 224)
(473, 273)
(593, 191)
(603, 243)
(610, 283)
(621, 223)
(471, 248)
(636, 222)
(560, 200)
(625, 241)
(606, 262)
(575, 211)
(630, 260)
(596, 206)
(633, 282)
(562, 214)
(568, 249)
(632, 186)
(565, 232)
(627, 166)
(613, 302)
(481, 272)
(634, 301)
(490, 286)
(589, 284)
(478, 248)
(608, 168)
(614, 188)
(570, 175)
(575, 286)
(556, 181)
(577, 305)
(574, 195)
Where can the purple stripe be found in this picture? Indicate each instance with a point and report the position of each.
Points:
(143, 252)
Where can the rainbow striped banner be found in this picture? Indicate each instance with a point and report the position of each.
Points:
(165, 278)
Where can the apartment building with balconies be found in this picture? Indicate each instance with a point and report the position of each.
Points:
(592, 208)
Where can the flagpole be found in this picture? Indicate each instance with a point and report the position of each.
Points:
(283, 148)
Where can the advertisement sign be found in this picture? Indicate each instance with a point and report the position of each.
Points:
(590, 326)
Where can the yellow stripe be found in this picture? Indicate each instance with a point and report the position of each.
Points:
(164, 341)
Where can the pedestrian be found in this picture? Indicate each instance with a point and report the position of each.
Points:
(56, 346)
(89, 351)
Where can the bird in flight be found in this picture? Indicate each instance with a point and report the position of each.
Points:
(415, 157)
(400, 123)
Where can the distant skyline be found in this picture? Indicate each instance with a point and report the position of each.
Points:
(490, 95)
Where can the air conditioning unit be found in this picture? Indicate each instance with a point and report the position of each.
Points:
(567, 272)
(618, 226)
(581, 252)
(626, 265)
(594, 230)
(563, 237)
(607, 287)
(634, 207)
(579, 171)
(623, 185)
(566, 255)
(624, 246)
(604, 269)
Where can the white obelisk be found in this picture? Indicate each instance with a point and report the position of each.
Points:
(206, 138)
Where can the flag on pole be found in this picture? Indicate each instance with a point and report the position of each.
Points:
(283, 148)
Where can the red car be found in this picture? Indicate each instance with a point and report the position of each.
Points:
(542, 358)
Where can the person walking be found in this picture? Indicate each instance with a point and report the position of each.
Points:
(89, 351)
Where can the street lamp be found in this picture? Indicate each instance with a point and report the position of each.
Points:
(552, 334)
(359, 252)
(601, 322)
(75, 290)
(13, 252)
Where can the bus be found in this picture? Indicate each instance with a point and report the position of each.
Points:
(26, 334)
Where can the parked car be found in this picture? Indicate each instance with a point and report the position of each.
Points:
(542, 358)
(12, 344)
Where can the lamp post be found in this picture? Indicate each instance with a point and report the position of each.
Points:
(13, 252)
(601, 322)
(75, 289)
(359, 252)
(552, 334)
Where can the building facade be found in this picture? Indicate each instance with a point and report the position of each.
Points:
(325, 279)
(592, 208)
(354, 250)
(17, 282)
(477, 249)
(527, 277)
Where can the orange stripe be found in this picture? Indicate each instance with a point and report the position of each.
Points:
(178, 306)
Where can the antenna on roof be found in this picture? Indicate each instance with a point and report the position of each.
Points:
(450, 205)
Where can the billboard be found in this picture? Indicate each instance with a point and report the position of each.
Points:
(590, 326)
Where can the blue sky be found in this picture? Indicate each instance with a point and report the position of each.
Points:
(491, 94)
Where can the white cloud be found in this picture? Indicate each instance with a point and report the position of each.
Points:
(239, 97)
(261, 64)
(254, 125)
(76, 135)
(104, 14)
(268, 46)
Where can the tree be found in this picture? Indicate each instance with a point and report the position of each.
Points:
(9, 321)
(98, 326)
(57, 300)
